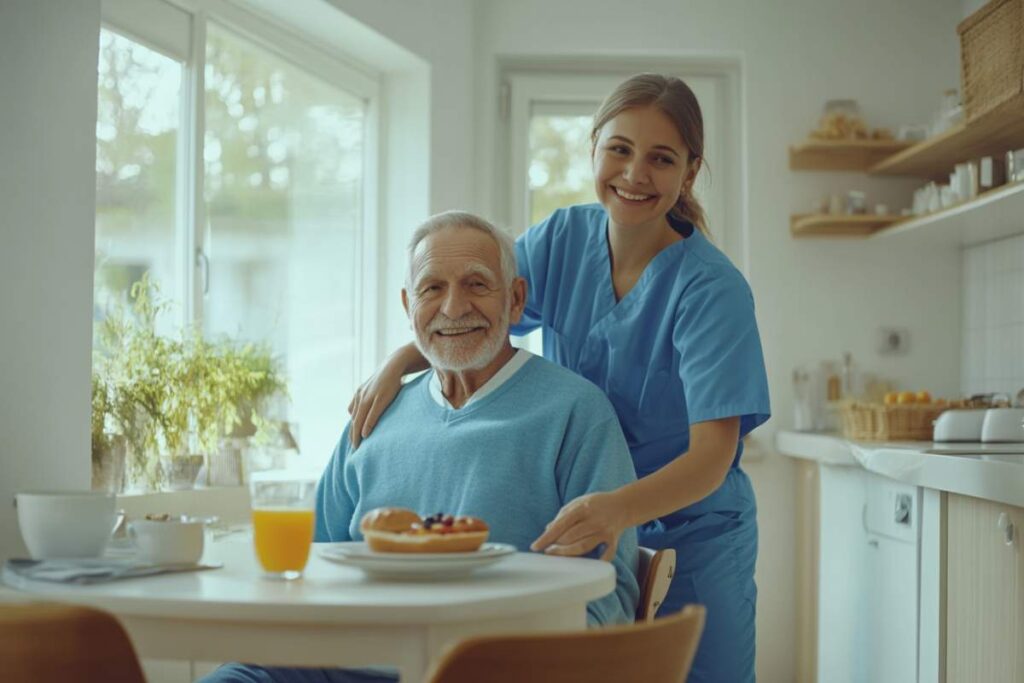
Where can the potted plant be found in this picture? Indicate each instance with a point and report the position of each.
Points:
(174, 399)
(143, 370)
(237, 380)
(108, 449)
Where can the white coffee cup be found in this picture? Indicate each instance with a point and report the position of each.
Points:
(66, 524)
(175, 541)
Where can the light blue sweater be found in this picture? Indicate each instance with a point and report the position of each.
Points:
(513, 458)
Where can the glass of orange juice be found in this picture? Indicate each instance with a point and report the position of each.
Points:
(282, 521)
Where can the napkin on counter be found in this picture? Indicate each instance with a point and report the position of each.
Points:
(85, 571)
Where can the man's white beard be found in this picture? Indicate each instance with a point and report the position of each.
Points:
(455, 360)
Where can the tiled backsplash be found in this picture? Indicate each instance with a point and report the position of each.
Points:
(993, 320)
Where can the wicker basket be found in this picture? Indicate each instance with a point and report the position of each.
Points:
(879, 422)
(991, 56)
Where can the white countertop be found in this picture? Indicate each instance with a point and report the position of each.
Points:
(988, 471)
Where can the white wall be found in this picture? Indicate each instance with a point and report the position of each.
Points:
(815, 299)
(971, 6)
(440, 33)
(993, 320)
(48, 53)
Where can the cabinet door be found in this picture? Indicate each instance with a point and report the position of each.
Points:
(843, 548)
(984, 591)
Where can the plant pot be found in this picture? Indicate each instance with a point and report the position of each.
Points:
(225, 467)
(179, 472)
(108, 466)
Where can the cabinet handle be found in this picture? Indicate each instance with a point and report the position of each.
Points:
(1006, 526)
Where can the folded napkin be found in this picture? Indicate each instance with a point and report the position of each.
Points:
(85, 571)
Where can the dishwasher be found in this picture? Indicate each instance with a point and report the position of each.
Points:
(891, 609)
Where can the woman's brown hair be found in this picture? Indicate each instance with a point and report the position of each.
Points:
(672, 96)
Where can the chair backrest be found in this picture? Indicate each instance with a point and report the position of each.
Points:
(40, 643)
(659, 652)
(655, 572)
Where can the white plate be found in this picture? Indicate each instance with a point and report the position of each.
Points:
(413, 565)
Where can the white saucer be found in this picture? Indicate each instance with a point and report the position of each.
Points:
(413, 565)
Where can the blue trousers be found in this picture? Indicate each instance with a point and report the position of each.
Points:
(716, 551)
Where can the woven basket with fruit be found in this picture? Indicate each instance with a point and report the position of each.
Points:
(902, 416)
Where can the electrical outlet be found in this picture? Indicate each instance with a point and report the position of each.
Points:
(893, 341)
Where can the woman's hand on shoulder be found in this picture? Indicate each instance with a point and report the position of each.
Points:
(371, 400)
(582, 525)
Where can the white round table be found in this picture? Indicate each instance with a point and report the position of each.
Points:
(335, 615)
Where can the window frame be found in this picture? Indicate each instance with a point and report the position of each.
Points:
(177, 29)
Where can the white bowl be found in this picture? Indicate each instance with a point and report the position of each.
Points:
(56, 524)
(167, 542)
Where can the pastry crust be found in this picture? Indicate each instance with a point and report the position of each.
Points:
(398, 530)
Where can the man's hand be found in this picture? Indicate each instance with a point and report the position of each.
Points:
(584, 524)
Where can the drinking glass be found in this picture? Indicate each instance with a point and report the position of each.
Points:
(282, 521)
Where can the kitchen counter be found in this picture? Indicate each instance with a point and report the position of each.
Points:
(988, 471)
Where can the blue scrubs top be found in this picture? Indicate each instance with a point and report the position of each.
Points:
(681, 347)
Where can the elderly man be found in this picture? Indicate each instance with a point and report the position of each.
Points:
(490, 431)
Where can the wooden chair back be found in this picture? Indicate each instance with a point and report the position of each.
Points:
(43, 643)
(655, 572)
(658, 652)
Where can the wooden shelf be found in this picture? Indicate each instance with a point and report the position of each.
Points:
(991, 134)
(842, 155)
(828, 225)
(994, 215)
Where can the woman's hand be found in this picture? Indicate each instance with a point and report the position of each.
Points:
(582, 525)
(378, 392)
(371, 400)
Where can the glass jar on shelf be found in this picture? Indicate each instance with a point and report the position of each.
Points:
(841, 120)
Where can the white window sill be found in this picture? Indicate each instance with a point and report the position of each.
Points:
(229, 503)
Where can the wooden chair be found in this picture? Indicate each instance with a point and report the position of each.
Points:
(40, 643)
(655, 572)
(657, 652)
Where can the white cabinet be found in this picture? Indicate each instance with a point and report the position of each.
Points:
(984, 591)
(842, 551)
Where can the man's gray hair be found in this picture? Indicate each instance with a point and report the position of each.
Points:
(464, 219)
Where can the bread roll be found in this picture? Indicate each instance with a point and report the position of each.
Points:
(398, 530)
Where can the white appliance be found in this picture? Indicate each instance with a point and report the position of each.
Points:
(959, 425)
(1002, 425)
(878, 595)
(890, 614)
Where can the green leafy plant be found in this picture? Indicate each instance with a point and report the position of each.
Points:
(174, 396)
(102, 410)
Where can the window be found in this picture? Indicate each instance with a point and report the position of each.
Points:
(232, 168)
(559, 171)
(283, 155)
(137, 161)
